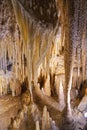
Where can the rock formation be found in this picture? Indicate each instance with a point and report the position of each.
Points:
(43, 59)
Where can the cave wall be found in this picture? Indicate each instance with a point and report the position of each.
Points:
(12, 58)
(74, 35)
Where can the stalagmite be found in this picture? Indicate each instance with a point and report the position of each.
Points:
(53, 126)
(69, 110)
(21, 115)
(44, 118)
(47, 122)
(57, 85)
(37, 125)
(47, 88)
(61, 95)
(15, 124)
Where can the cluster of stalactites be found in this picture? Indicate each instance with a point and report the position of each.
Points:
(37, 40)
(51, 73)
(12, 56)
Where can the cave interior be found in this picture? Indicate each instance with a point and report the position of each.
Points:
(43, 65)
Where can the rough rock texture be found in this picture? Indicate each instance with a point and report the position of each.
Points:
(10, 42)
(43, 45)
(44, 12)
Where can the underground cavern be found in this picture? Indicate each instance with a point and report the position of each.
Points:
(43, 65)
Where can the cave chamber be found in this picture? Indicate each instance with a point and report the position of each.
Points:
(43, 65)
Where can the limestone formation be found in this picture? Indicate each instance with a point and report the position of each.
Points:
(47, 123)
(15, 87)
(37, 125)
(43, 60)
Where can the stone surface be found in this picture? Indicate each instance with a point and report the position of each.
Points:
(83, 104)
(43, 46)
(8, 109)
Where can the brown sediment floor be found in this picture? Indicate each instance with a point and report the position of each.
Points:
(8, 109)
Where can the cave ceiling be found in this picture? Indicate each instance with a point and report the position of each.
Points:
(44, 11)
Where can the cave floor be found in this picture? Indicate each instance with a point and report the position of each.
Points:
(8, 109)
(51, 103)
(76, 123)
